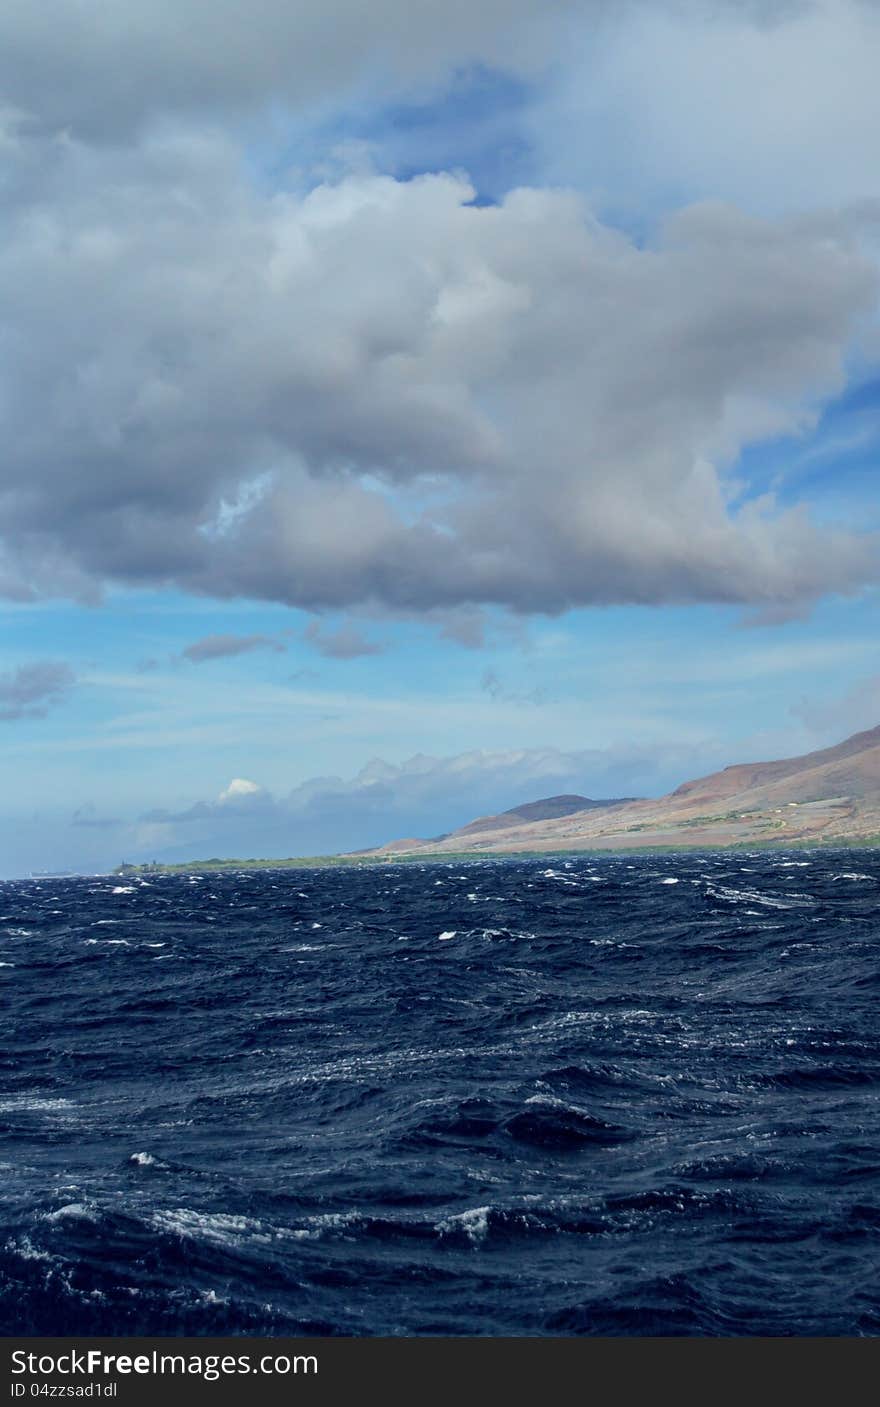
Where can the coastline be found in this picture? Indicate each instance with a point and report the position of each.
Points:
(323, 862)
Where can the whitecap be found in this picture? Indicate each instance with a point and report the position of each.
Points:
(25, 1103)
(73, 1211)
(754, 896)
(318, 1226)
(474, 1224)
(25, 1249)
(219, 1228)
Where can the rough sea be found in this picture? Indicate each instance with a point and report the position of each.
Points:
(611, 1096)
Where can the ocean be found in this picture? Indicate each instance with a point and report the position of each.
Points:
(625, 1095)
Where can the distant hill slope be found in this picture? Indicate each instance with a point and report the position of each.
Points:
(831, 795)
(854, 762)
(550, 808)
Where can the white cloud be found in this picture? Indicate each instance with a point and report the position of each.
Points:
(238, 787)
(444, 405)
(769, 105)
(377, 395)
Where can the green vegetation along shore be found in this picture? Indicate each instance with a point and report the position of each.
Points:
(315, 862)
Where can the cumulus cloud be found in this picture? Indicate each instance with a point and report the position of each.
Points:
(747, 101)
(242, 798)
(107, 69)
(381, 394)
(346, 643)
(239, 787)
(32, 689)
(215, 647)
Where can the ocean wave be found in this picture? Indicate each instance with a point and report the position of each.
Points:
(245, 1124)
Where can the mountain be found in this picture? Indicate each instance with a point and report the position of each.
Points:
(550, 808)
(830, 796)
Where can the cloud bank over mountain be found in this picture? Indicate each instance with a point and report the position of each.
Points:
(418, 796)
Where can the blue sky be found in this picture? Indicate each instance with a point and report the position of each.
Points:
(433, 418)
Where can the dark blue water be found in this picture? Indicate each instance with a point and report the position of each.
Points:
(584, 1096)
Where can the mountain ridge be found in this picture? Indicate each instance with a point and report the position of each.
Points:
(831, 794)
(548, 808)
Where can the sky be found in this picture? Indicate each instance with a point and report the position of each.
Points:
(412, 410)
